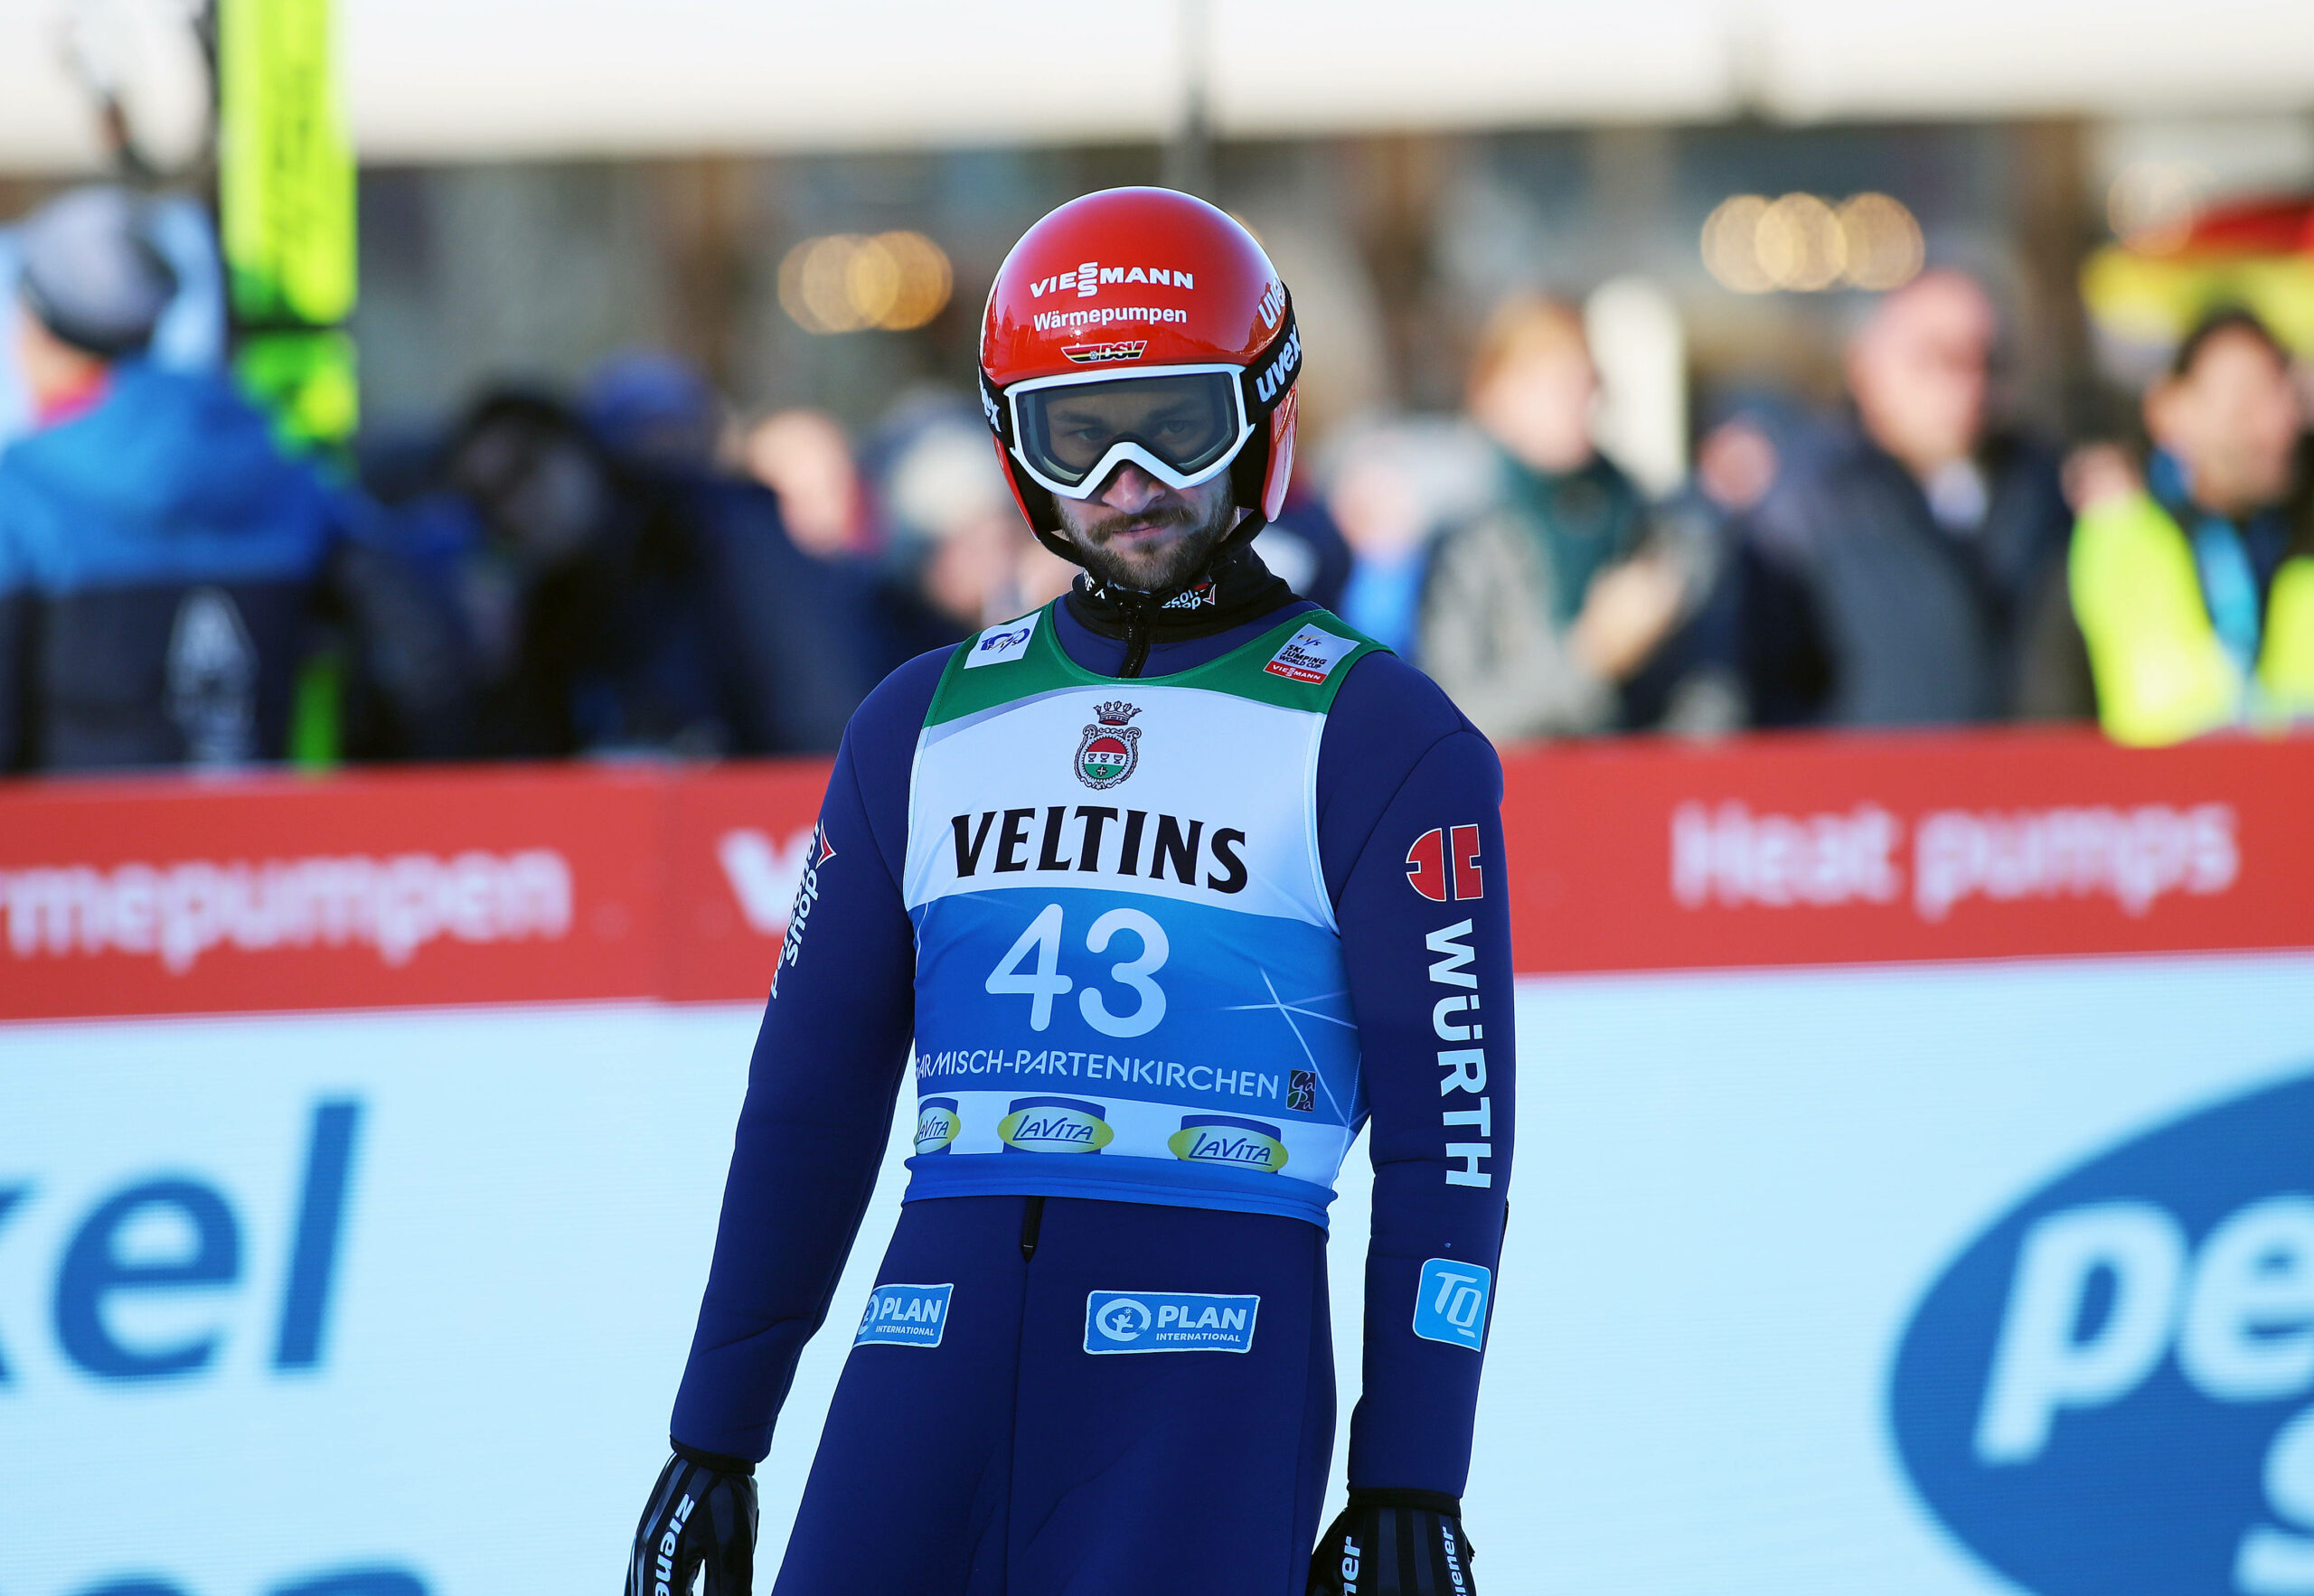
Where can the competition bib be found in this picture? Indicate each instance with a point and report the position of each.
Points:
(1129, 981)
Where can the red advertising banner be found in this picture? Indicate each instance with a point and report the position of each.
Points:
(142, 895)
(740, 836)
(1819, 850)
(169, 894)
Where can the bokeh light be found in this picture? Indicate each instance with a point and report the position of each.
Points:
(1731, 245)
(1884, 244)
(2152, 204)
(1801, 243)
(845, 282)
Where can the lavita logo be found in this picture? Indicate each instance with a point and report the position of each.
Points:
(937, 1123)
(2108, 1393)
(1224, 1139)
(1053, 1124)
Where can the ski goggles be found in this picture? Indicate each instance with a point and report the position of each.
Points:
(1183, 425)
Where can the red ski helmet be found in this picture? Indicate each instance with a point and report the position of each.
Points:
(1140, 324)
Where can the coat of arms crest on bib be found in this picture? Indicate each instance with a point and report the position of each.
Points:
(1110, 749)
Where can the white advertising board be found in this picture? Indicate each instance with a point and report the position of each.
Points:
(393, 1304)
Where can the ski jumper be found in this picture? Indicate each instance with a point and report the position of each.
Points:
(1161, 945)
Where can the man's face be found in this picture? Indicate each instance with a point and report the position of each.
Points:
(1139, 534)
(1919, 370)
(53, 370)
(2233, 421)
(1538, 406)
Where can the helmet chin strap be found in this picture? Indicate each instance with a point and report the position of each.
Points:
(1248, 527)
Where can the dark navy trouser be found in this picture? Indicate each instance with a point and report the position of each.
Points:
(1009, 1462)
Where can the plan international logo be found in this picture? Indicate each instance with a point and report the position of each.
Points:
(1168, 1321)
(905, 1315)
(1110, 749)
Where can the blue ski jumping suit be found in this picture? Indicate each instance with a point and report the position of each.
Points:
(1098, 1357)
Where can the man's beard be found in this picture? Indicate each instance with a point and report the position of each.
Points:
(1175, 566)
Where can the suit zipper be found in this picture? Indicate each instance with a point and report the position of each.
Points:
(1137, 644)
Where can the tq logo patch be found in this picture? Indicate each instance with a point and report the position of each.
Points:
(1110, 749)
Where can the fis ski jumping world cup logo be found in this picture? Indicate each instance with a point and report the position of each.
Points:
(937, 1124)
(2108, 1393)
(1221, 1138)
(1053, 1124)
(1110, 749)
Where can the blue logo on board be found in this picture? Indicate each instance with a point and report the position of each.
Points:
(1450, 1302)
(905, 1315)
(1169, 1321)
(2107, 1393)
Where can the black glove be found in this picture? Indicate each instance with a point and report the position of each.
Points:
(702, 1510)
(1394, 1543)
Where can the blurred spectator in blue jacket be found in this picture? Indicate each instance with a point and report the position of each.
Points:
(1891, 572)
(190, 333)
(1390, 486)
(157, 549)
(1304, 548)
(1540, 609)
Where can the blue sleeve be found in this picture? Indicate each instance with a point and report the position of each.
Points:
(828, 1063)
(1410, 827)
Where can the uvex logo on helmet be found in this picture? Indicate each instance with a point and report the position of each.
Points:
(2107, 1393)
(1274, 376)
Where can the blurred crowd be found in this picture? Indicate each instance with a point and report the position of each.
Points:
(630, 569)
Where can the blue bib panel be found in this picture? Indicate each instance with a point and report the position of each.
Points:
(1129, 981)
